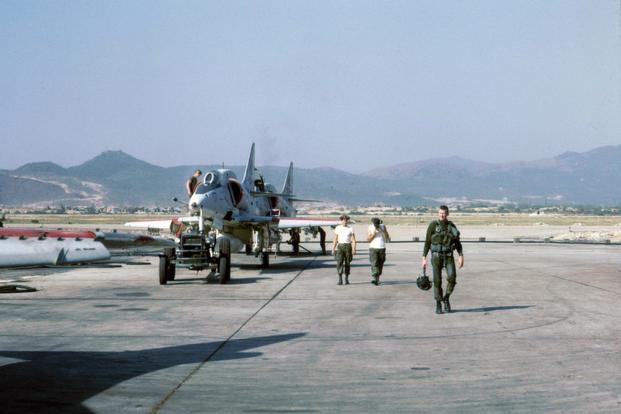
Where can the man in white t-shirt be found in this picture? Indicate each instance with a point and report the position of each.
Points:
(344, 248)
(377, 236)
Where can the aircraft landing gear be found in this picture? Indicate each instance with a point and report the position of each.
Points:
(224, 261)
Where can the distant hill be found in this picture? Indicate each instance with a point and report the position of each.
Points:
(42, 169)
(117, 178)
(592, 178)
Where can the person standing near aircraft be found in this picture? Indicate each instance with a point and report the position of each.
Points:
(294, 235)
(377, 236)
(192, 182)
(322, 240)
(344, 248)
(442, 238)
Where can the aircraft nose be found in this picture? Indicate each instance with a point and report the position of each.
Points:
(196, 202)
(206, 201)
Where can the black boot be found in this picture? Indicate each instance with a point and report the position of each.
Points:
(447, 304)
(438, 307)
(340, 280)
(347, 279)
(376, 280)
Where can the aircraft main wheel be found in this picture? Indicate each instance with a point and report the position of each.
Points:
(163, 270)
(224, 262)
(171, 270)
(265, 260)
(224, 266)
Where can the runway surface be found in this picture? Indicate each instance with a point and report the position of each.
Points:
(535, 328)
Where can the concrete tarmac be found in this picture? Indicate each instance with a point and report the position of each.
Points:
(535, 329)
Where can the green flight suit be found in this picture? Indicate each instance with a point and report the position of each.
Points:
(442, 239)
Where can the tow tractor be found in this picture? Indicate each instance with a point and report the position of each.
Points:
(198, 249)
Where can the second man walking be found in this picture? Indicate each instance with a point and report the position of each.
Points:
(377, 236)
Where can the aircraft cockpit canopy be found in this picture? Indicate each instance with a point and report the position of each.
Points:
(210, 182)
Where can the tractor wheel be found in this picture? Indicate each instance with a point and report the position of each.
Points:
(163, 270)
(170, 271)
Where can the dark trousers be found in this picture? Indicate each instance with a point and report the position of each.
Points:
(439, 261)
(377, 258)
(343, 258)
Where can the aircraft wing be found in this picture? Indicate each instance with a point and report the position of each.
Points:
(295, 222)
(248, 218)
(283, 222)
(289, 197)
(270, 194)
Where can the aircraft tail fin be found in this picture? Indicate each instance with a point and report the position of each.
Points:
(248, 179)
(287, 187)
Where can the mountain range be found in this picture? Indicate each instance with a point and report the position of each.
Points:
(115, 178)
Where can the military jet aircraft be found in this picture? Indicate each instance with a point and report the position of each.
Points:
(227, 214)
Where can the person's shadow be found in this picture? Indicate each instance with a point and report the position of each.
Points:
(60, 381)
(492, 308)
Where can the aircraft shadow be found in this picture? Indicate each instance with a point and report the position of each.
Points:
(60, 381)
(492, 308)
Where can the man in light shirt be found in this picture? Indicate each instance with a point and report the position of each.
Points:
(377, 236)
(344, 248)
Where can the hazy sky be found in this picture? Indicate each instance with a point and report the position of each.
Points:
(349, 84)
